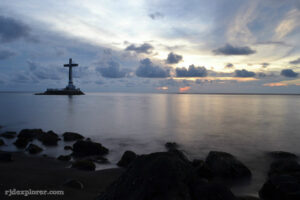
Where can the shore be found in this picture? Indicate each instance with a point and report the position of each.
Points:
(40, 173)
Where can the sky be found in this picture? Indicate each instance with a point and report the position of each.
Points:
(169, 46)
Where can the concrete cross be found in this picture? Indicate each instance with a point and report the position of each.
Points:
(70, 65)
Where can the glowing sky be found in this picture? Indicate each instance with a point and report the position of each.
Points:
(148, 46)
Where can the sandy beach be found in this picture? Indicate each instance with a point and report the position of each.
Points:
(40, 173)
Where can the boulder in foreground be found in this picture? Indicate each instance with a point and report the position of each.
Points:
(163, 176)
(70, 136)
(9, 134)
(127, 158)
(76, 184)
(88, 148)
(49, 138)
(226, 167)
(5, 157)
(34, 149)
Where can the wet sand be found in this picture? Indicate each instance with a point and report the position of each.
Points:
(45, 173)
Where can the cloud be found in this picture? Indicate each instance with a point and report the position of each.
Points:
(295, 62)
(192, 71)
(244, 73)
(229, 65)
(234, 50)
(44, 73)
(156, 15)
(289, 73)
(112, 70)
(4, 54)
(184, 89)
(149, 70)
(12, 29)
(173, 58)
(264, 65)
(144, 48)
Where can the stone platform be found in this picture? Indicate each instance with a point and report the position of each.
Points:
(61, 92)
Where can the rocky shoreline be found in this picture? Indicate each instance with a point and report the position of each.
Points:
(160, 175)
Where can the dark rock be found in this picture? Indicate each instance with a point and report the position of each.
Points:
(2, 142)
(284, 167)
(127, 158)
(282, 155)
(68, 148)
(21, 143)
(202, 169)
(75, 184)
(49, 139)
(5, 157)
(70, 136)
(282, 187)
(30, 134)
(171, 146)
(100, 160)
(247, 198)
(226, 167)
(84, 165)
(88, 148)
(34, 149)
(211, 191)
(64, 158)
(9, 134)
(157, 176)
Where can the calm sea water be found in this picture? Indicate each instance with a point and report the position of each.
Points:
(247, 126)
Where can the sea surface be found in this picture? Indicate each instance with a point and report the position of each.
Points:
(248, 126)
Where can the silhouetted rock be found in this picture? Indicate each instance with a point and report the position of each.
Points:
(282, 187)
(2, 142)
(284, 167)
(49, 138)
(75, 184)
(84, 165)
(211, 191)
(68, 148)
(64, 158)
(247, 198)
(202, 169)
(282, 155)
(9, 134)
(70, 136)
(21, 143)
(88, 148)
(226, 167)
(157, 176)
(34, 149)
(100, 160)
(30, 134)
(127, 158)
(5, 157)
(171, 146)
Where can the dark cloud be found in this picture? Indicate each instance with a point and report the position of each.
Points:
(261, 74)
(192, 71)
(12, 29)
(149, 70)
(156, 15)
(264, 65)
(234, 50)
(289, 73)
(4, 54)
(173, 58)
(295, 62)
(229, 66)
(144, 48)
(244, 73)
(44, 73)
(112, 70)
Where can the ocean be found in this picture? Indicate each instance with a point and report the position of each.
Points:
(247, 126)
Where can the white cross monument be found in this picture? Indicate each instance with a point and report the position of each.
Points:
(70, 85)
